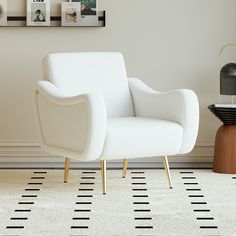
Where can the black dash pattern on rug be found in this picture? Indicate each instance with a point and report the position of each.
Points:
(142, 211)
(197, 200)
(83, 203)
(25, 203)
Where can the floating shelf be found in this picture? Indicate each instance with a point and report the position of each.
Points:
(89, 21)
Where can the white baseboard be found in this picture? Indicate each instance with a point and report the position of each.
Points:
(31, 155)
(110, 165)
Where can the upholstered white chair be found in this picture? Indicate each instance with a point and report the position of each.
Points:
(87, 109)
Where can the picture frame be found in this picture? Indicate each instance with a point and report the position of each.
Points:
(38, 12)
(89, 12)
(70, 13)
(3, 12)
(89, 8)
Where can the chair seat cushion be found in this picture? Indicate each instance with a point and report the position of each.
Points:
(134, 137)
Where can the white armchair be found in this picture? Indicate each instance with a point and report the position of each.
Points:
(87, 109)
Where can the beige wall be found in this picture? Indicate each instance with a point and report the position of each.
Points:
(168, 44)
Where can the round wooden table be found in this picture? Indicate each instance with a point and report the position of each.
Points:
(225, 141)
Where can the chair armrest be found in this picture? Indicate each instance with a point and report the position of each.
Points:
(71, 126)
(179, 105)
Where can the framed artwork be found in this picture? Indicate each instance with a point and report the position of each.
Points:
(3, 12)
(70, 13)
(88, 7)
(38, 12)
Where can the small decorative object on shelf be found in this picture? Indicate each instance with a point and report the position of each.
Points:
(70, 13)
(38, 12)
(3, 12)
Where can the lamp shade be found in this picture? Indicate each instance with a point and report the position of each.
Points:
(228, 79)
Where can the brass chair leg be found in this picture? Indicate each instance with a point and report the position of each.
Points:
(103, 173)
(66, 170)
(167, 169)
(125, 165)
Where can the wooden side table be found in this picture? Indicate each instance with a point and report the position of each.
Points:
(225, 141)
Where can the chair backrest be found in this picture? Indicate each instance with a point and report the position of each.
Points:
(100, 72)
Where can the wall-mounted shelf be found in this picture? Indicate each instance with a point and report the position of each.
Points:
(89, 21)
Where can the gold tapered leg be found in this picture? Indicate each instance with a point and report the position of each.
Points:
(66, 170)
(167, 169)
(125, 165)
(103, 173)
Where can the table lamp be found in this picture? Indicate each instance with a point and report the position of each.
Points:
(225, 148)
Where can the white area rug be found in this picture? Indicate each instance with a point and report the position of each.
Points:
(37, 202)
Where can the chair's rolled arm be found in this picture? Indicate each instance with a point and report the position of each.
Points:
(179, 105)
(72, 126)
